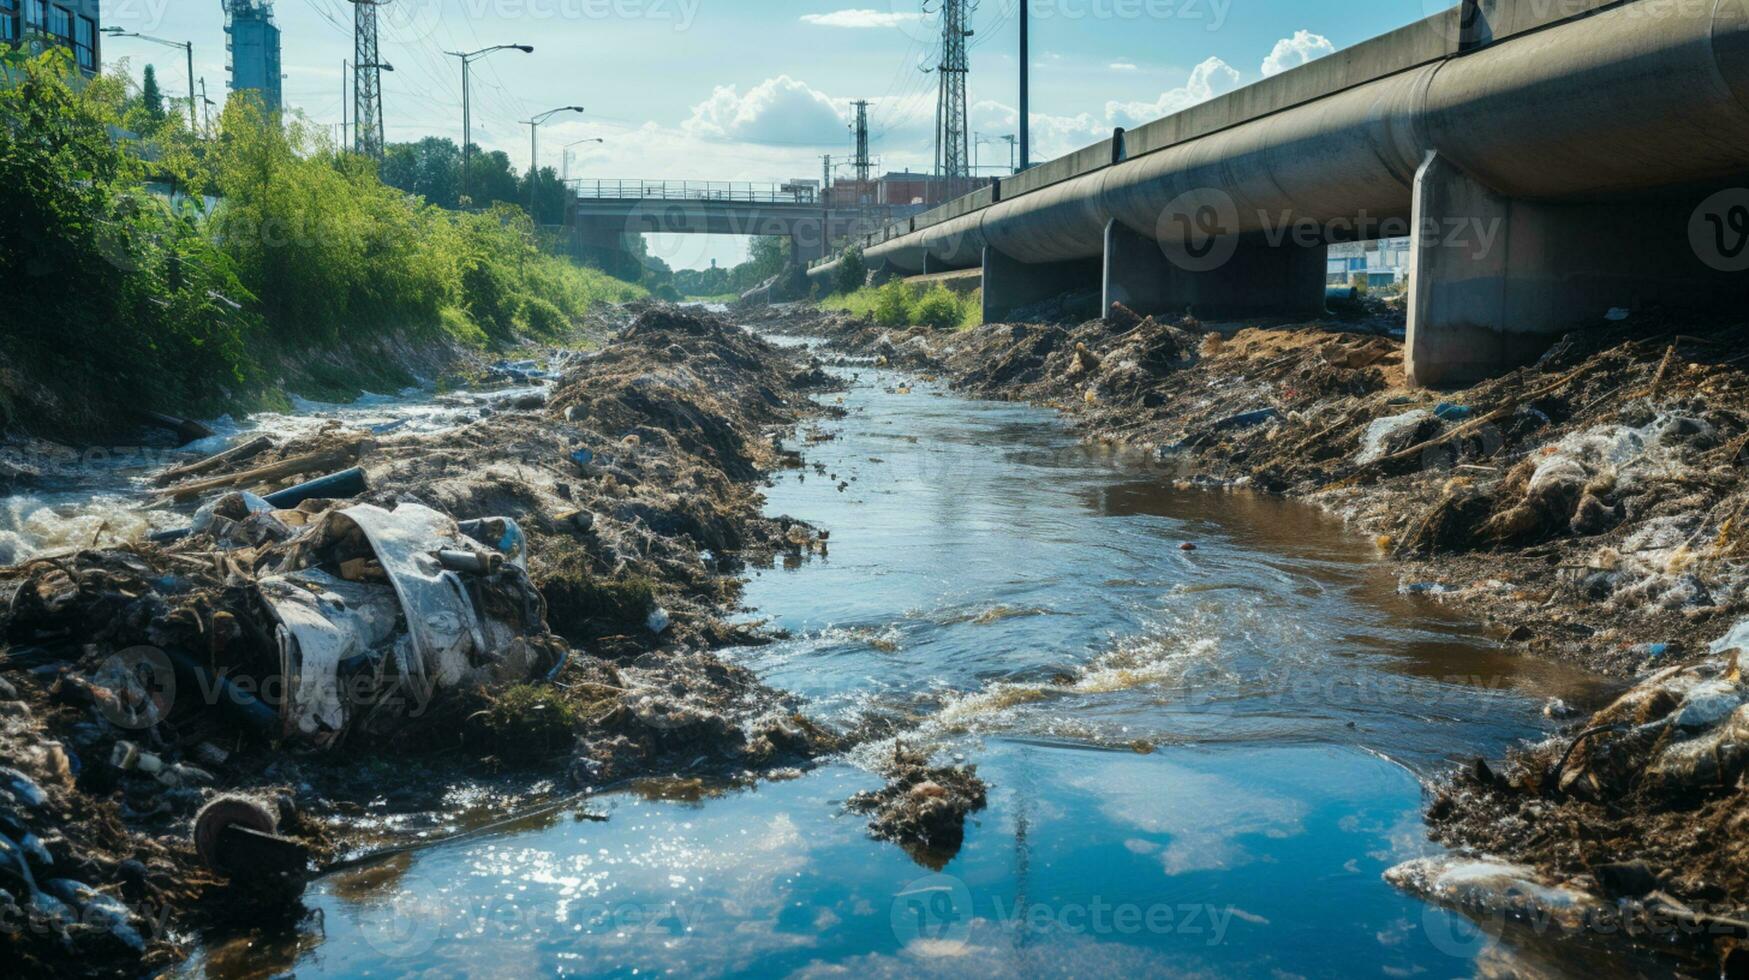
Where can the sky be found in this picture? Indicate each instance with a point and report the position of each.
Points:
(759, 90)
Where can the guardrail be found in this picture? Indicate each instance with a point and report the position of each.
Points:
(696, 190)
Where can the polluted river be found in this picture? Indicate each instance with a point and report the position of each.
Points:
(1206, 721)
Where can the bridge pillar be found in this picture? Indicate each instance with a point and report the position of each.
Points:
(601, 243)
(1493, 280)
(1010, 284)
(1237, 276)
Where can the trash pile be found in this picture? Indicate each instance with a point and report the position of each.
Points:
(922, 809)
(535, 590)
(1643, 808)
(1593, 506)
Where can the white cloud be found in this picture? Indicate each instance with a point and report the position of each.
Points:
(1121, 66)
(863, 19)
(1211, 78)
(1292, 52)
(777, 111)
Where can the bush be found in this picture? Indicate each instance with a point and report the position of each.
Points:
(938, 308)
(852, 272)
(892, 304)
(117, 301)
(543, 318)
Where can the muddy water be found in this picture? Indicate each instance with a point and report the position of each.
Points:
(1201, 761)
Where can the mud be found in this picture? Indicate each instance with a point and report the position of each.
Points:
(1590, 507)
(635, 477)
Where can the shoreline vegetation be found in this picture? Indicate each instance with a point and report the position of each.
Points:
(272, 250)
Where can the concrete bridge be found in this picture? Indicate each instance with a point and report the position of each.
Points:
(1550, 159)
(606, 211)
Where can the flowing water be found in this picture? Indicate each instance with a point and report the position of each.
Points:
(1200, 760)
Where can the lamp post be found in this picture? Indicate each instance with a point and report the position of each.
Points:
(468, 58)
(1025, 95)
(565, 168)
(188, 49)
(534, 125)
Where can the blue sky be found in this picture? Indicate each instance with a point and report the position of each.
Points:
(758, 89)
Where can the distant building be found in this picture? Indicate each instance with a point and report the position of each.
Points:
(252, 38)
(70, 24)
(1384, 262)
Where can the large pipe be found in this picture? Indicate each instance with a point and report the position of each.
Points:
(1638, 96)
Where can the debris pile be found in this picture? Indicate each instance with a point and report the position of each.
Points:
(538, 587)
(1645, 805)
(922, 808)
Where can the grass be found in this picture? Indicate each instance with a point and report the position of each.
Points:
(902, 304)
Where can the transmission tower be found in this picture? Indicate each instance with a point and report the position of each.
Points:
(863, 166)
(367, 80)
(952, 151)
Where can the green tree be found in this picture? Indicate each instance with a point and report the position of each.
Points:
(151, 96)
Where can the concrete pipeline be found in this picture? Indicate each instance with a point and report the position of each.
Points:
(1550, 159)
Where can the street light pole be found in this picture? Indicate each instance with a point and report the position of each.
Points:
(188, 49)
(534, 125)
(1025, 94)
(467, 59)
(565, 171)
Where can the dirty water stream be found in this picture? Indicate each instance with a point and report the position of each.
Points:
(1201, 761)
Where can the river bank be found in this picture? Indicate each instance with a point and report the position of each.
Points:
(1588, 508)
(630, 479)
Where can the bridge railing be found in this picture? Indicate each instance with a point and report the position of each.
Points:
(696, 190)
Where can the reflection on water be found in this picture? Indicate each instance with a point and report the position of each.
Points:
(1201, 760)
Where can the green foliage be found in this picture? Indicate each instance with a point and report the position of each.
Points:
(901, 304)
(852, 272)
(125, 300)
(525, 723)
(892, 304)
(115, 295)
(938, 309)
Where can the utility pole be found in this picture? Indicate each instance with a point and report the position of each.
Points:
(345, 70)
(952, 156)
(467, 58)
(206, 106)
(861, 160)
(1025, 94)
(1011, 141)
